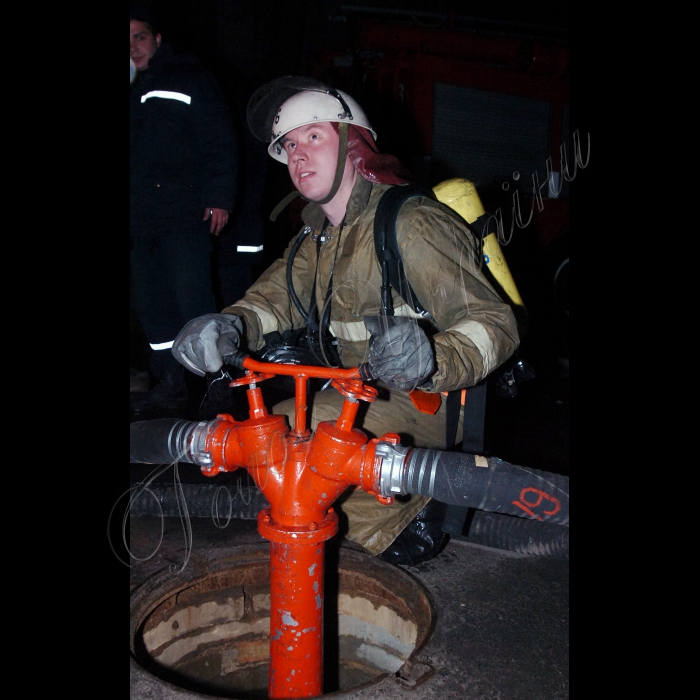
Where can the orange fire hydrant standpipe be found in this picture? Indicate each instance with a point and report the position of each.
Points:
(301, 475)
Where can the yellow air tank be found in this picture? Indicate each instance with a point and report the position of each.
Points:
(461, 195)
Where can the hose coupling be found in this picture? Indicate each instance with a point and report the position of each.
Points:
(392, 470)
(187, 442)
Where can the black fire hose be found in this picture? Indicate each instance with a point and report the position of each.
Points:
(539, 499)
(518, 535)
(488, 484)
(458, 478)
(166, 440)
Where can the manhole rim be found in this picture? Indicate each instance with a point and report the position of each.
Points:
(145, 597)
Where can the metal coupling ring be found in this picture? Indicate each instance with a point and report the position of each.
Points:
(187, 443)
(391, 474)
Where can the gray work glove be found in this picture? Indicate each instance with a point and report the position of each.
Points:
(399, 351)
(206, 342)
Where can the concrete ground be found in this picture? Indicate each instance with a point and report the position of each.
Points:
(502, 624)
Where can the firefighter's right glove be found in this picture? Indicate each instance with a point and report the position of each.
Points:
(399, 352)
(206, 342)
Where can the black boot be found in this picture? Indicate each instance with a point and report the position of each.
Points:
(421, 539)
(168, 398)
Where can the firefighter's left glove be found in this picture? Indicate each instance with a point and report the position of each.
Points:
(206, 342)
(399, 352)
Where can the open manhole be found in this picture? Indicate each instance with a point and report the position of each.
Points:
(207, 631)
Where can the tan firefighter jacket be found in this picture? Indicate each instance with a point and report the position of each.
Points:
(477, 330)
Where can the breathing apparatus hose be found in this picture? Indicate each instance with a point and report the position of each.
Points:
(290, 262)
(317, 334)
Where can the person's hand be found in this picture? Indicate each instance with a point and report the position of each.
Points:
(206, 342)
(399, 351)
(219, 219)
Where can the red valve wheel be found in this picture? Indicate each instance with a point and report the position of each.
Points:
(251, 378)
(355, 389)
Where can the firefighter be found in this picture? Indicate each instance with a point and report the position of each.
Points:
(333, 287)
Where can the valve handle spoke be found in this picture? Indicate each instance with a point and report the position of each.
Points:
(355, 389)
(251, 378)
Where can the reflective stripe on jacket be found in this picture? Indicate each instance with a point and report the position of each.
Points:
(183, 148)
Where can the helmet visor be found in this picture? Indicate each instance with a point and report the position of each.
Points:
(268, 98)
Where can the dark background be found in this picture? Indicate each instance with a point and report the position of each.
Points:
(248, 43)
(263, 40)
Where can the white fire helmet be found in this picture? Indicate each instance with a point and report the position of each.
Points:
(310, 106)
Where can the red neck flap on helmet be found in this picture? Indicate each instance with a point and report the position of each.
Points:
(370, 163)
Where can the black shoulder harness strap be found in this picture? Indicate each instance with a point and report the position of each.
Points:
(393, 275)
(387, 248)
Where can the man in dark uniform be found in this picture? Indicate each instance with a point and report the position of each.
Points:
(183, 179)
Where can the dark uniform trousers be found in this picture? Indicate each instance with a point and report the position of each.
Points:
(171, 279)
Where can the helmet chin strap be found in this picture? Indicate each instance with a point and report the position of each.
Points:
(339, 170)
(340, 167)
